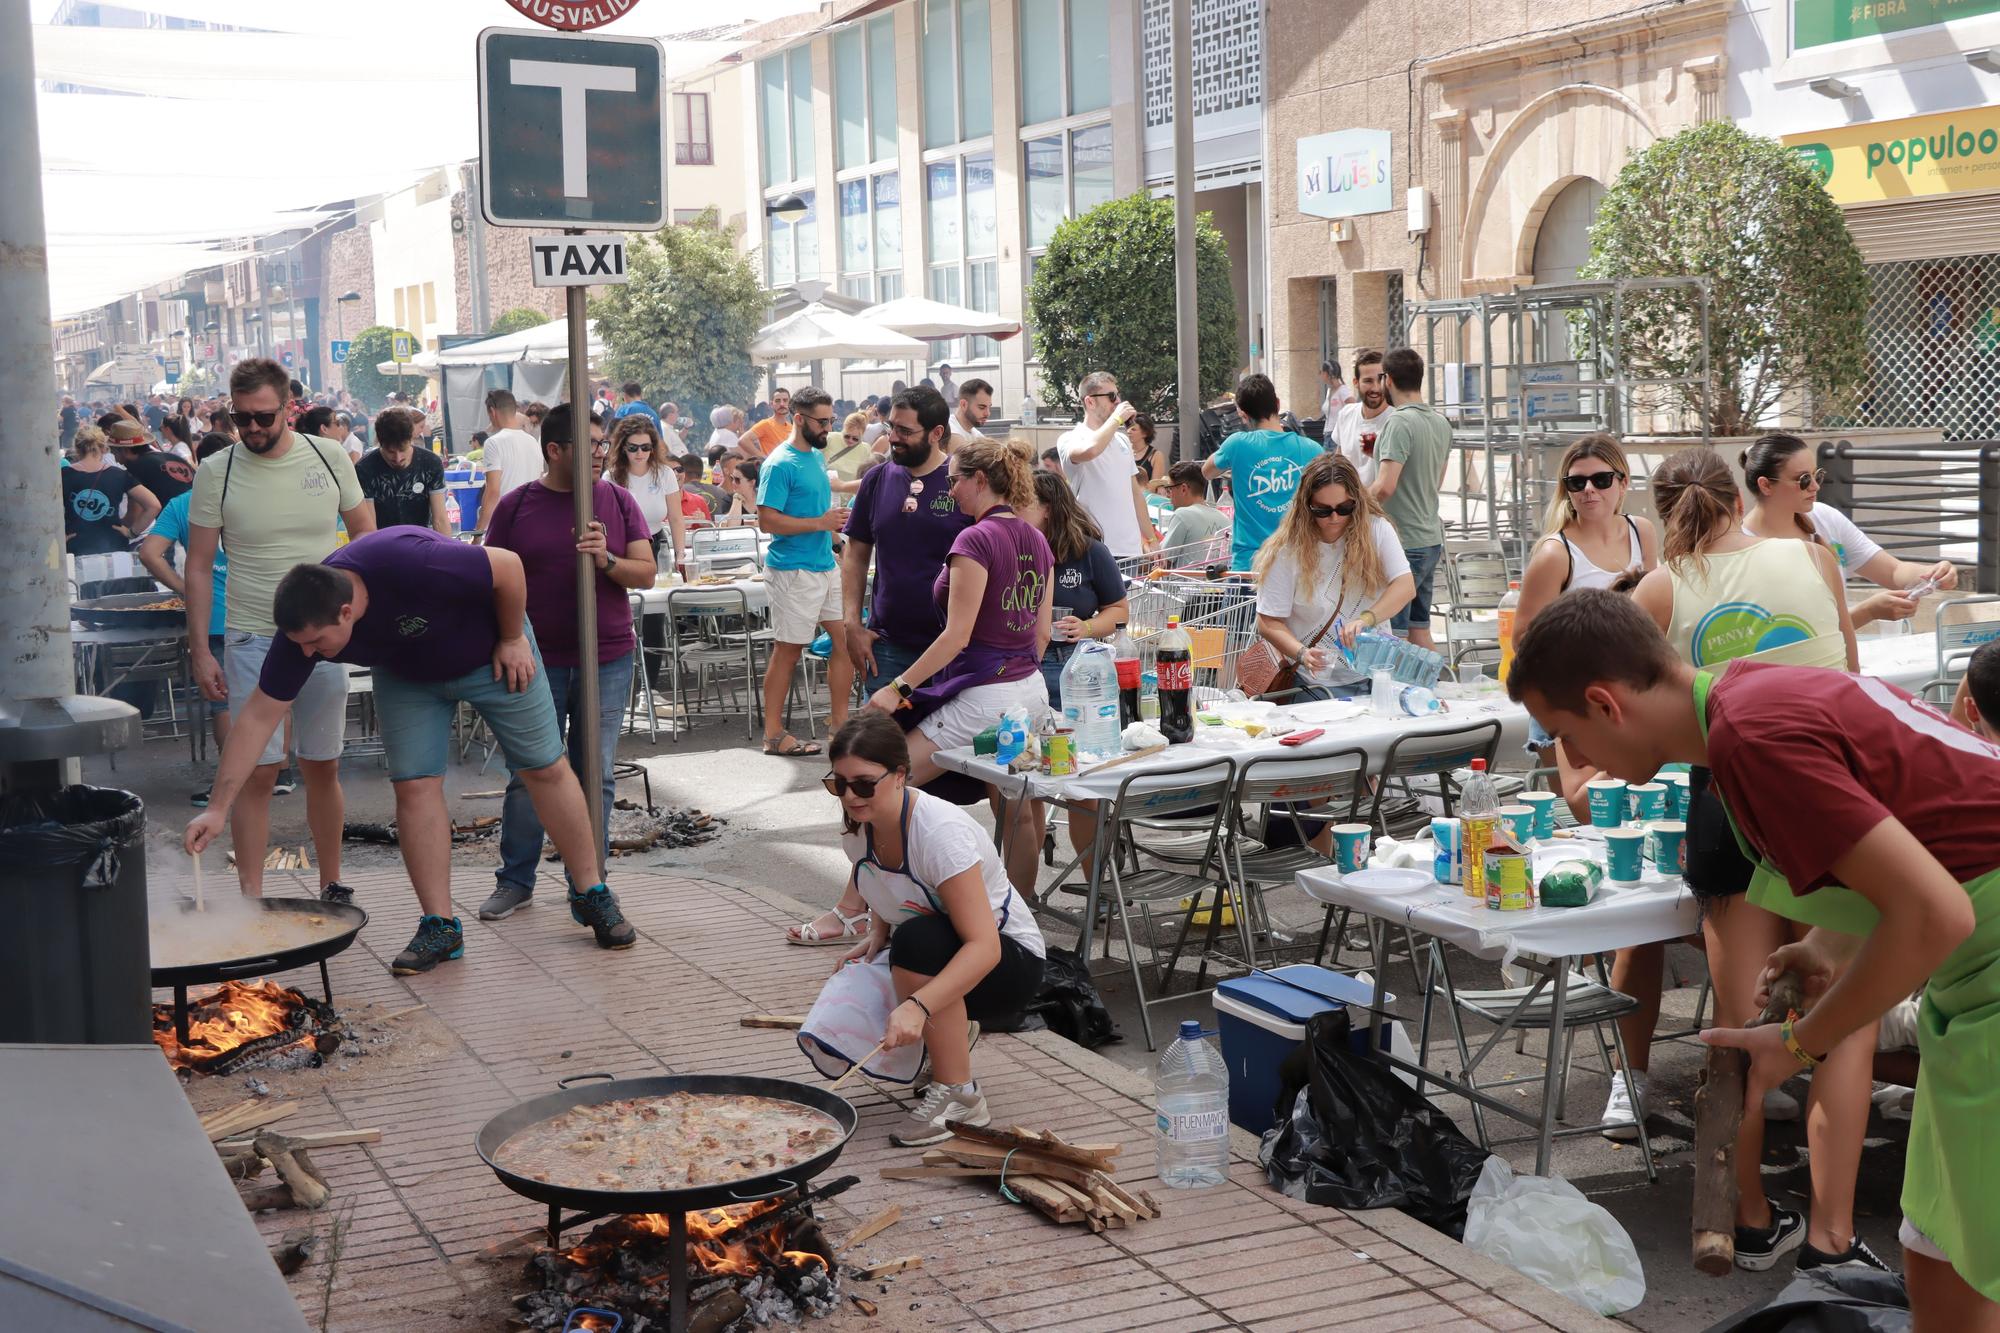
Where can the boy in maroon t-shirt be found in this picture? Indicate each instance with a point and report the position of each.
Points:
(1833, 780)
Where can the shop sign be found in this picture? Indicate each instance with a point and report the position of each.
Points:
(1345, 174)
(1824, 22)
(1900, 159)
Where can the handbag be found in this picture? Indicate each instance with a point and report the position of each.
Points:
(1260, 671)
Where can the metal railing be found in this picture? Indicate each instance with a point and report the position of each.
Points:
(1924, 503)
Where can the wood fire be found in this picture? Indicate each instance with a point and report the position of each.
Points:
(237, 1020)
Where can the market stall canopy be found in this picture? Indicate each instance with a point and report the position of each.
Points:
(921, 317)
(819, 332)
(544, 342)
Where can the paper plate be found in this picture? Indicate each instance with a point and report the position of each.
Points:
(1389, 881)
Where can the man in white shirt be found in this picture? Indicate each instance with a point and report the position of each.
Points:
(722, 427)
(975, 405)
(670, 417)
(1354, 427)
(1097, 459)
(512, 457)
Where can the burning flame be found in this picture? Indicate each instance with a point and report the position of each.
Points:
(230, 1016)
(712, 1248)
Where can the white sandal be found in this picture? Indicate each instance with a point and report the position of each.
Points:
(853, 929)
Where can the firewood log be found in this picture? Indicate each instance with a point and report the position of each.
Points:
(1718, 1116)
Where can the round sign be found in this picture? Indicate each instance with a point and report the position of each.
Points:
(573, 15)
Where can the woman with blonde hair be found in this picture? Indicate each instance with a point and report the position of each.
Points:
(1333, 557)
(846, 460)
(1723, 595)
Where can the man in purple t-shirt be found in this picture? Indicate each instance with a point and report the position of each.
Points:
(440, 624)
(536, 522)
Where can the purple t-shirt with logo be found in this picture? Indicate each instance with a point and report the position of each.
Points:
(911, 522)
(1017, 561)
(537, 524)
(429, 617)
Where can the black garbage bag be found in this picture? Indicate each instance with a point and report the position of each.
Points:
(1362, 1138)
(1847, 1298)
(1069, 1004)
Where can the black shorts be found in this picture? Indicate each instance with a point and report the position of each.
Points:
(925, 944)
(1716, 866)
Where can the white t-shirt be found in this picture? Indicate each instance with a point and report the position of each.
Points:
(516, 454)
(1851, 546)
(654, 492)
(1304, 610)
(939, 841)
(959, 426)
(725, 437)
(1348, 423)
(671, 438)
(1103, 485)
(874, 431)
(1336, 397)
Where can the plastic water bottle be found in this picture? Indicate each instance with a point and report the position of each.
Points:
(1090, 699)
(1191, 1112)
(1508, 606)
(1418, 701)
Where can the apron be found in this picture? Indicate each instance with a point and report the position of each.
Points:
(1951, 1176)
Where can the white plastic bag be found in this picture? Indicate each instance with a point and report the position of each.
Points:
(1543, 1227)
(850, 1016)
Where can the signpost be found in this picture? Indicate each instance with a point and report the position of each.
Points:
(572, 134)
(339, 351)
(402, 348)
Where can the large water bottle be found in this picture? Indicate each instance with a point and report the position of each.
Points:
(1090, 699)
(1191, 1120)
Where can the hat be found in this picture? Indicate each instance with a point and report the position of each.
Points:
(128, 435)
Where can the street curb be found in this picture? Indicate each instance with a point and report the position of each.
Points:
(1489, 1275)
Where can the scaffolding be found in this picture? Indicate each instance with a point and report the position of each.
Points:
(1521, 374)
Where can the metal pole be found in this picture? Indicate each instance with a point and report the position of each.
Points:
(1187, 435)
(34, 600)
(583, 480)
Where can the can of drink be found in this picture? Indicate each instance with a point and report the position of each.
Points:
(1508, 886)
(1448, 866)
(1060, 751)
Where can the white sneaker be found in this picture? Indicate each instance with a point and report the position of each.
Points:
(1620, 1120)
(941, 1106)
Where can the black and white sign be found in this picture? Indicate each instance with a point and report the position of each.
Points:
(571, 131)
(576, 261)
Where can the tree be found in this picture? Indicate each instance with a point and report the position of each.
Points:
(1787, 287)
(515, 320)
(368, 349)
(1103, 299)
(683, 322)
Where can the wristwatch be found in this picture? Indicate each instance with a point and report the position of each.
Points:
(902, 687)
(608, 561)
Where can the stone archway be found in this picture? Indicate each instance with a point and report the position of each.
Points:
(1577, 130)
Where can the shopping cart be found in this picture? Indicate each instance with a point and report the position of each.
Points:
(1206, 559)
(1218, 616)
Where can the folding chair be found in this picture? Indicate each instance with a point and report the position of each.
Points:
(1434, 755)
(1288, 791)
(1475, 581)
(710, 652)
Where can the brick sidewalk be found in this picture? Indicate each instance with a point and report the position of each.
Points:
(534, 1001)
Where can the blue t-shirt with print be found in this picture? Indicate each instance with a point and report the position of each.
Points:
(1263, 468)
(173, 525)
(640, 409)
(794, 482)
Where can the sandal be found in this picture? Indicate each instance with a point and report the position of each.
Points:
(852, 930)
(798, 750)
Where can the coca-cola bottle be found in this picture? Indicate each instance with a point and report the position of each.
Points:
(1125, 656)
(1173, 659)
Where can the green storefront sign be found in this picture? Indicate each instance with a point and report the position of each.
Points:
(1823, 22)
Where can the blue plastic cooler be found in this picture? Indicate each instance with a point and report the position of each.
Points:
(1262, 1019)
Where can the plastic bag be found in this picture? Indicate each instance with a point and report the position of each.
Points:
(82, 830)
(1068, 1003)
(1846, 1298)
(1355, 1136)
(1543, 1227)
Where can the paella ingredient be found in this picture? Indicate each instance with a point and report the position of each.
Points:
(1571, 883)
(667, 1143)
(233, 927)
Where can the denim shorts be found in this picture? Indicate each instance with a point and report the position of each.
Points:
(416, 719)
(1423, 568)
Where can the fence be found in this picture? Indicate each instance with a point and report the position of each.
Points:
(1933, 335)
(1923, 504)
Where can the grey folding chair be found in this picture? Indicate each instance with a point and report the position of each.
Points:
(1287, 793)
(1432, 757)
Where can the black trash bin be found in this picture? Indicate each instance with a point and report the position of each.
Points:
(74, 965)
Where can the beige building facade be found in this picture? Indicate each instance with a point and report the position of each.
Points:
(1430, 151)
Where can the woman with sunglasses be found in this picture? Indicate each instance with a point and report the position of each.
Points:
(739, 483)
(846, 459)
(1784, 502)
(1333, 555)
(640, 465)
(964, 949)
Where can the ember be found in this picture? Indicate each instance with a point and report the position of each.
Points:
(240, 1020)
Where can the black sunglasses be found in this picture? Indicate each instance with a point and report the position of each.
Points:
(1345, 509)
(263, 419)
(1603, 481)
(1089, 396)
(862, 787)
(638, 448)
(1808, 480)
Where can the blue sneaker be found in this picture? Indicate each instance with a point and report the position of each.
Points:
(438, 940)
(598, 909)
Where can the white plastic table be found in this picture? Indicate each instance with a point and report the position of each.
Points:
(653, 601)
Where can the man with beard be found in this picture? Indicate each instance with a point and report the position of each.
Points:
(1354, 426)
(769, 435)
(275, 500)
(975, 405)
(795, 505)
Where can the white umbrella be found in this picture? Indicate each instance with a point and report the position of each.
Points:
(921, 317)
(544, 342)
(819, 332)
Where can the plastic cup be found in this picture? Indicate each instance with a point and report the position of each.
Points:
(1351, 845)
(1607, 802)
(1667, 845)
(1543, 803)
(1649, 800)
(1056, 615)
(1677, 794)
(1626, 847)
(1519, 821)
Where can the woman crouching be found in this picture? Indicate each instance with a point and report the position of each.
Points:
(963, 947)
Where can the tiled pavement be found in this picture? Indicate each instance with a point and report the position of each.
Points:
(534, 1001)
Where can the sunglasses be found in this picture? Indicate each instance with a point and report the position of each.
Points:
(638, 448)
(265, 420)
(862, 787)
(1087, 397)
(1345, 508)
(1603, 481)
(1808, 480)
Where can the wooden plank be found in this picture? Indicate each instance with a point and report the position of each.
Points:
(235, 1120)
(875, 1225)
(335, 1139)
(873, 1271)
(789, 1022)
(1047, 1145)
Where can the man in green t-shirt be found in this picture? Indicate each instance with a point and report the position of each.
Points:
(1411, 450)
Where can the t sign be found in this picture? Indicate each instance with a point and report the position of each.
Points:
(571, 131)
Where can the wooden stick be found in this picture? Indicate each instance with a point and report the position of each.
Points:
(401, 1013)
(275, 1195)
(335, 1139)
(856, 1066)
(200, 899)
(1128, 758)
(245, 1115)
(1718, 1116)
(295, 1168)
(873, 1271)
(789, 1022)
(875, 1225)
(493, 795)
(1048, 1146)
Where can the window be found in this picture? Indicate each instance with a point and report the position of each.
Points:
(1066, 68)
(791, 249)
(961, 268)
(784, 94)
(691, 143)
(957, 71)
(871, 237)
(1067, 173)
(864, 93)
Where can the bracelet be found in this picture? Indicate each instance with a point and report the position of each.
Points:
(1805, 1058)
(1372, 621)
(927, 1009)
